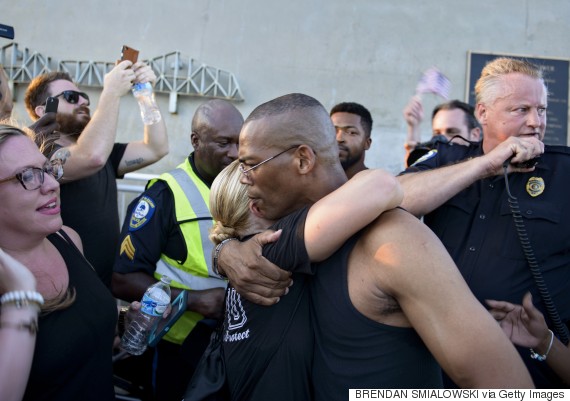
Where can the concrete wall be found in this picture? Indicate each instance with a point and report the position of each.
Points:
(368, 51)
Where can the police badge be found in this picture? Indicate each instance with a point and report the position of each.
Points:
(535, 186)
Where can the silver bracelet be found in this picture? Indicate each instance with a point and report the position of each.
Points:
(22, 298)
(217, 251)
(542, 358)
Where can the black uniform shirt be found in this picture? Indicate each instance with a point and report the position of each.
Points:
(476, 226)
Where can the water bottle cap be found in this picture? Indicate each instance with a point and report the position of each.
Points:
(165, 279)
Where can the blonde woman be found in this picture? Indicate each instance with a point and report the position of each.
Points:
(76, 326)
(268, 350)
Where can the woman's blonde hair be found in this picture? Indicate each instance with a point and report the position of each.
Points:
(229, 205)
(8, 129)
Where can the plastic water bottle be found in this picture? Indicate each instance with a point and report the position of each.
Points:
(145, 97)
(154, 303)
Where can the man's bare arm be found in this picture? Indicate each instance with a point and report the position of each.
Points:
(333, 219)
(463, 337)
(132, 286)
(93, 147)
(154, 145)
(427, 190)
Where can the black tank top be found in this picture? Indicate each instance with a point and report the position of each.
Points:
(73, 355)
(353, 351)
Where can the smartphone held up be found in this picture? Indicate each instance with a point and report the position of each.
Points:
(128, 53)
(51, 105)
(142, 91)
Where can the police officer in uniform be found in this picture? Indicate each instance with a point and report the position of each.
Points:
(166, 232)
(464, 196)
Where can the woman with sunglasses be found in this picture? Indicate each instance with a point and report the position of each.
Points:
(77, 320)
(268, 350)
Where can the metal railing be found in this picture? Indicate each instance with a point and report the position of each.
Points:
(176, 75)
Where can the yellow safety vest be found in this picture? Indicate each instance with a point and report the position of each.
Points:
(191, 201)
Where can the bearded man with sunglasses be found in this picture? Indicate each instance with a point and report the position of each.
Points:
(93, 161)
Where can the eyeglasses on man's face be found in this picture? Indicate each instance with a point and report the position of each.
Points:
(246, 171)
(72, 97)
(32, 178)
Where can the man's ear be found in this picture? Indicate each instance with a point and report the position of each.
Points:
(481, 113)
(306, 159)
(194, 140)
(368, 142)
(40, 110)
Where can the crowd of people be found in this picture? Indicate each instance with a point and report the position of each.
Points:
(324, 274)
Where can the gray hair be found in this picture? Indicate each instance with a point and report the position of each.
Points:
(487, 88)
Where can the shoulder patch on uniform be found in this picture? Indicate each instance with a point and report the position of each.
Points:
(142, 213)
(432, 153)
(127, 248)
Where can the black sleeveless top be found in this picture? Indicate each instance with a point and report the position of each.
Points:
(73, 355)
(268, 350)
(353, 351)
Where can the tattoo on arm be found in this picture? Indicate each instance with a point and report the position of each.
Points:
(134, 162)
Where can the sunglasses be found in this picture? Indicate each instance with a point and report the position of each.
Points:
(72, 97)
